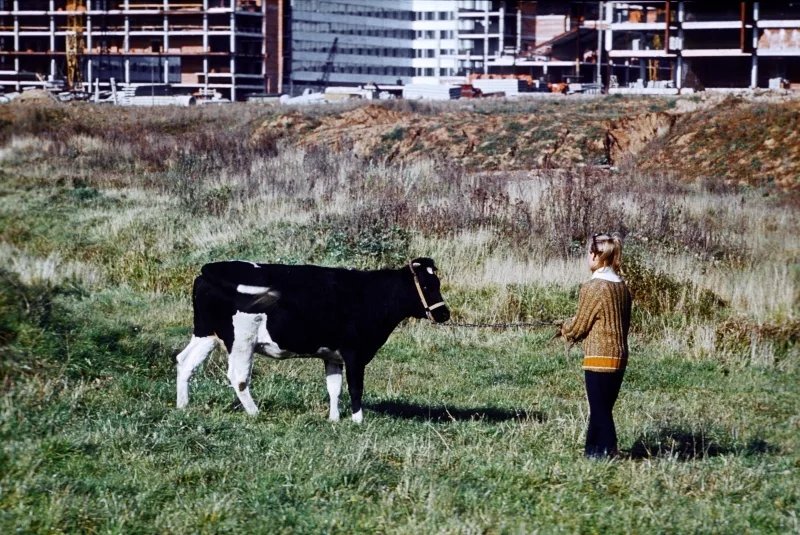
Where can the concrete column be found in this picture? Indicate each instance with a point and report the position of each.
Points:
(52, 8)
(264, 41)
(16, 42)
(89, 44)
(126, 42)
(126, 38)
(754, 64)
(126, 47)
(599, 55)
(165, 48)
(486, 41)
(502, 30)
(679, 51)
(205, 45)
(233, 50)
(519, 31)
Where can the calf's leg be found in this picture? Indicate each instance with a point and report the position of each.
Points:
(355, 385)
(333, 378)
(190, 358)
(240, 359)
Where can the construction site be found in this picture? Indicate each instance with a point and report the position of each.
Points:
(226, 49)
(233, 50)
(662, 47)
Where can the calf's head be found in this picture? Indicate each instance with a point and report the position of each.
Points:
(427, 283)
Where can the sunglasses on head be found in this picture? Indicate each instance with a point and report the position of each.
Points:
(594, 249)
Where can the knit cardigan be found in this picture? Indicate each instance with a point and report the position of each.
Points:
(602, 322)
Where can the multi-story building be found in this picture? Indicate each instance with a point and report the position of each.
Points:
(663, 46)
(228, 46)
(702, 44)
(399, 41)
(241, 47)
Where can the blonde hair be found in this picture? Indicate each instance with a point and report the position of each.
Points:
(608, 249)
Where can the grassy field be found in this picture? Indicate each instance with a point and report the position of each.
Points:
(106, 216)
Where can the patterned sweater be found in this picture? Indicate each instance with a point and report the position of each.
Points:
(602, 322)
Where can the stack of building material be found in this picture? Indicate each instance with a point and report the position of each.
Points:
(431, 92)
(336, 93)
(509, 86)
(307, 98)
(153, 95)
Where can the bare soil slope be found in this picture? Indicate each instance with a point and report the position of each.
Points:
(737, 141)
(730, 140)
(749, 140)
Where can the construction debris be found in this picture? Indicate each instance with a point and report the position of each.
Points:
(431, 92)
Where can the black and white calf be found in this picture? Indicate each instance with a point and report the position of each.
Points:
(341, 316)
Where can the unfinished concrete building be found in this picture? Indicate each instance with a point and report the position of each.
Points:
(232, 47)
(558, 40)
(658, 46)
(693, 44)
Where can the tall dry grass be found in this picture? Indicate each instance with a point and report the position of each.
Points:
(178, 185)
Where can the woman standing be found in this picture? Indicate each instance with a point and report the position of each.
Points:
(602, 322)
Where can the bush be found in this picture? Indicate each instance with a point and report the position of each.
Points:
(740, 336)
(574, 204)
(369, 242)
(658, 294)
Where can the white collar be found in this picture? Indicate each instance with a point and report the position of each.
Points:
(606, 273)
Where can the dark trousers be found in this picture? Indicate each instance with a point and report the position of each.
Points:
(602, 389)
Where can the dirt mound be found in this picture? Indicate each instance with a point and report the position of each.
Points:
(370, 115)
(356, 129)
(35, 97)
(737, 143)
(471, 139)
(361, 130)
(723, 139)
(627, 137)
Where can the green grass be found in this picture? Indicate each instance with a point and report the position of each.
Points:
(465, 431)
(476, 432)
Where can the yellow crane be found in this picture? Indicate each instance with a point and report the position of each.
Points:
(74, 39)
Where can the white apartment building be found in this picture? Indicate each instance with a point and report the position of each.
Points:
(396, 41)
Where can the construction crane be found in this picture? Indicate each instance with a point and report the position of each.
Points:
(326, 71)
(74, 40)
